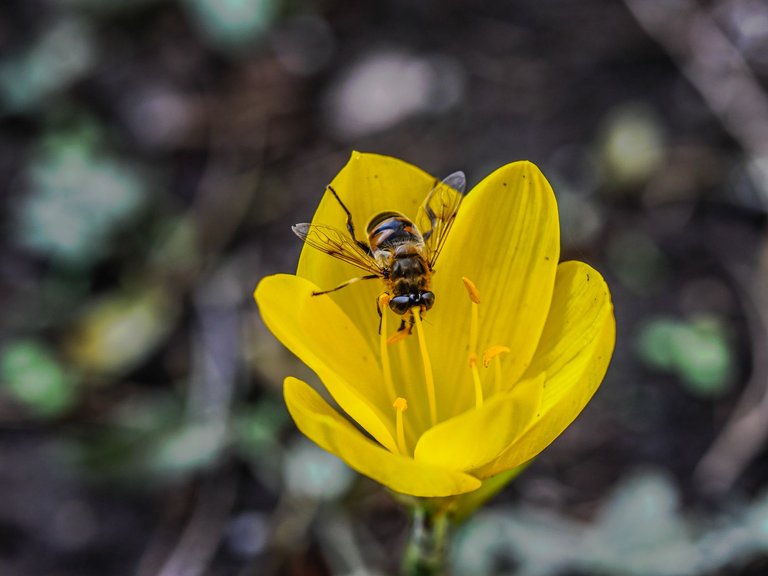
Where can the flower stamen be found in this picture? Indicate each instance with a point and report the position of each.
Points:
(474, 328)
(476, 380)
(474, 293)
(400, 405)
(474, 296)
(383, 303)
(488, 356)
(428, 377)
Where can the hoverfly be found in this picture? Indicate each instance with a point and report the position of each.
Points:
(400, 252)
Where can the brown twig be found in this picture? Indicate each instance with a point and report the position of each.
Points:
(746, 431)
(201, 536)
(714, 65)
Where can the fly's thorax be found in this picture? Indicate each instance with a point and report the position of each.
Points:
(411, 271)
(388, 231)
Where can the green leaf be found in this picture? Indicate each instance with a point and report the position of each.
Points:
(639, 531)
(77, 196)
(696, 350)
(632, 145)
(115, 333)
(310, 472)
(257, 429)
(186, 449)
(707, 362)
(33, 377)
(231, 24)
(654, 343)
(637, 261)
(61, 56)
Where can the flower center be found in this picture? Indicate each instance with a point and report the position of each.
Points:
(402, 385)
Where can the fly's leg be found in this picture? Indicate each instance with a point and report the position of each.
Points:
(345, 284)
(406, 326)
(350, 224)
(402, 333)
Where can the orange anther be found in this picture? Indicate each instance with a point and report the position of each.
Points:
(474, 293)
(492, 352)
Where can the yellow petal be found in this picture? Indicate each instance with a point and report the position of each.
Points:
(368, 185)
(318, 332)
(575, 350)
(322, 424)
(476, 437)
(506, 239)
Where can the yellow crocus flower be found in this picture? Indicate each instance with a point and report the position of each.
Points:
(513, 349)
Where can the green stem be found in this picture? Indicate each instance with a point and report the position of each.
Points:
(426, 550)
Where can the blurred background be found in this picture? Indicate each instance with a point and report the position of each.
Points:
(153, 155)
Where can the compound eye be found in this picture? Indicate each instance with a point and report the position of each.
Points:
(428, 299)
(400, 304)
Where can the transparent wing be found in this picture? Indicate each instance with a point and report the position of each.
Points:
(438, 212)
(337, 244)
